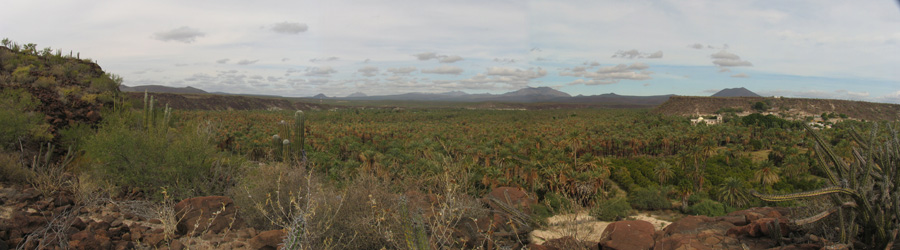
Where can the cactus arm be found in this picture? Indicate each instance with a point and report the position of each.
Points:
(822, 145)
(823, 166)
(800, 195)
(822, 215)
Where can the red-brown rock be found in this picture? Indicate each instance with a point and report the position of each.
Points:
(202, 214)
(761, 227)
(628, 235)
(511, 195)
(271, 239)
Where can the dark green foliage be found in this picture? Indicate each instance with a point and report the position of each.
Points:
(708, 207)
(610, 210)
(760, 106)
(768, 121)
(649, 198)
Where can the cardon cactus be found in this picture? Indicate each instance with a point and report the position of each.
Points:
(865, 192)
(293, 133)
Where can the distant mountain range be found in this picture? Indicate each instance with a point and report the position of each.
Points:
(162, 89)
(735, 92)
(525, 95)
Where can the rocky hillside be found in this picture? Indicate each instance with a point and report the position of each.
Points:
(62, 89)
(692, 105)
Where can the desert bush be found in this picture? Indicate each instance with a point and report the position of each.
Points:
(610, 210)
(362, 216)
(106, 83)
(183, 160)
(708, 207)
(648, 199)
(19, 122)
(12, 169)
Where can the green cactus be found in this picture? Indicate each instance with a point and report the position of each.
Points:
(300, 133)
(276, 141)
(286, 150)
(290, 134)
(865, 193)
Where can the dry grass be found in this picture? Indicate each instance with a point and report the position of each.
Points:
(12, 169)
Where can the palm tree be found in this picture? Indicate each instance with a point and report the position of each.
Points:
(663, 172)
(767, 175)
(732, 192)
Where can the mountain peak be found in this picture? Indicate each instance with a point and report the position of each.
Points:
(320, 96)
(735, 92)
(538, 91)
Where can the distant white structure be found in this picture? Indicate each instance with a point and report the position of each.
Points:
(718, 120)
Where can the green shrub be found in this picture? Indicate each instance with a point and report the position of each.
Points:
(18, 121)
(610, 210)
(12, 170)
(708, 208)
(648, 199)
(183, 161)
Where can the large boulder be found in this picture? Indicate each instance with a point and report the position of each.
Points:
(271, 239)
(210, 214)
(628, 235)
(697, 232)
(517, 197)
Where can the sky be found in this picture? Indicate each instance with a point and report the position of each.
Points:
(807, 48)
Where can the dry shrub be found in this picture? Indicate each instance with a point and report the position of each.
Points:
(364, 214)
(11, 169)
(264, 194)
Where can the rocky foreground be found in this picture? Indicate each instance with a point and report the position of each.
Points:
(31, 220)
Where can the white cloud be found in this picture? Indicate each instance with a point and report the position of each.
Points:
(289, 28)
(726, 59)
(402, 71)
(504, 60)
(324, 59)
(426, 56)
(591, 82)
(725, 55)
(740, 75)
(247, 62)
(450, 59)
(445, 70)
(609, 74)
(183, 34)
(368, 71)
(731, 63)
(633, 54)
(222, 61)
(320, 71)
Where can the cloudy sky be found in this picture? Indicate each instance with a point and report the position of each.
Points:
(807, 48)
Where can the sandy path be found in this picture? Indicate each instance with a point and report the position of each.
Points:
(584, 227)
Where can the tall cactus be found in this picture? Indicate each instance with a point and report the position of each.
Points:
(865, 193)
(300, 133)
